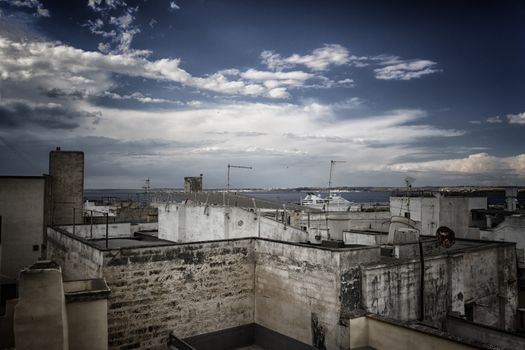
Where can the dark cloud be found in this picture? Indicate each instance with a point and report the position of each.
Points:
(48, 116)
(58, 93)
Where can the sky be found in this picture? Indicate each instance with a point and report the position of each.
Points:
(164, 89)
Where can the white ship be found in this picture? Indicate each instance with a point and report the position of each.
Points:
(332, 202)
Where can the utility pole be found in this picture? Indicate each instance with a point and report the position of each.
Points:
(234, 166)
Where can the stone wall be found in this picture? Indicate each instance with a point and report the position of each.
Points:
(302, 291)
(77, 258)
(190, 289)
(67, 186)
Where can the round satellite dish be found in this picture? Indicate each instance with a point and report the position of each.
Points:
(445, 236)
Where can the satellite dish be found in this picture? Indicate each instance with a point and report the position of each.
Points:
(445, 236)
(409, 181)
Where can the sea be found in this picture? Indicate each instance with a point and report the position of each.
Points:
(284, 196)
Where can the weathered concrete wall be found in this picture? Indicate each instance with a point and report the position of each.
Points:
(297, 287)
(455, 213)
(22, 210)
(488, 335)
(77, 259)
(67, 186)
(189, 289)
(486, 277)
(392, 290)
(87, 325)
(378, 334)
(98, 231)
(422, 209)
(489, 278)
(294, 286)
(357, 220)
(439, 210)
(364, 238)
(189, 223)
(512, 229)
(272, 229)
(40, 319)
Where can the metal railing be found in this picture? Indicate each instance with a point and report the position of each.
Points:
(105, 214)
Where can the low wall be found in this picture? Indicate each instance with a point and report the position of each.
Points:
(189, 289)
(194, 223)
(78, 259)
(98, 231)
(144, 226)
(364, 238)
(385, 335)
(488, 335)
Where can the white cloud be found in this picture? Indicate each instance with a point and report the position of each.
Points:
(174, 6)
(302, 136)
(310, 129)
(397, 69)
(104, 5)
(32, 4)
(119, 29)
(494, 120)
(318, 60)
(53, 65)
(479, 163)
(137, 96)
(516, 118)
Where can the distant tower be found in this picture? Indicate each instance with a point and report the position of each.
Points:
(193, 184)
(66, 169)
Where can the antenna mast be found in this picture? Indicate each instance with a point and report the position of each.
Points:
(146, 188)
(408, 181)
(332, 164)
(234, 166)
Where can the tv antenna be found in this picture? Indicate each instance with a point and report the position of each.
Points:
(237, 167)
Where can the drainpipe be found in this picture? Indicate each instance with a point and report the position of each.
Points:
(422, 282)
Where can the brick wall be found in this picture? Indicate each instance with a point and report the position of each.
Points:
(189, 289)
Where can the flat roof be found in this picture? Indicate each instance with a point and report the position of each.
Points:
(152, 241)
(115, 243)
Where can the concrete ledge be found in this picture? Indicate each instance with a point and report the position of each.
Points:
(86, 290)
